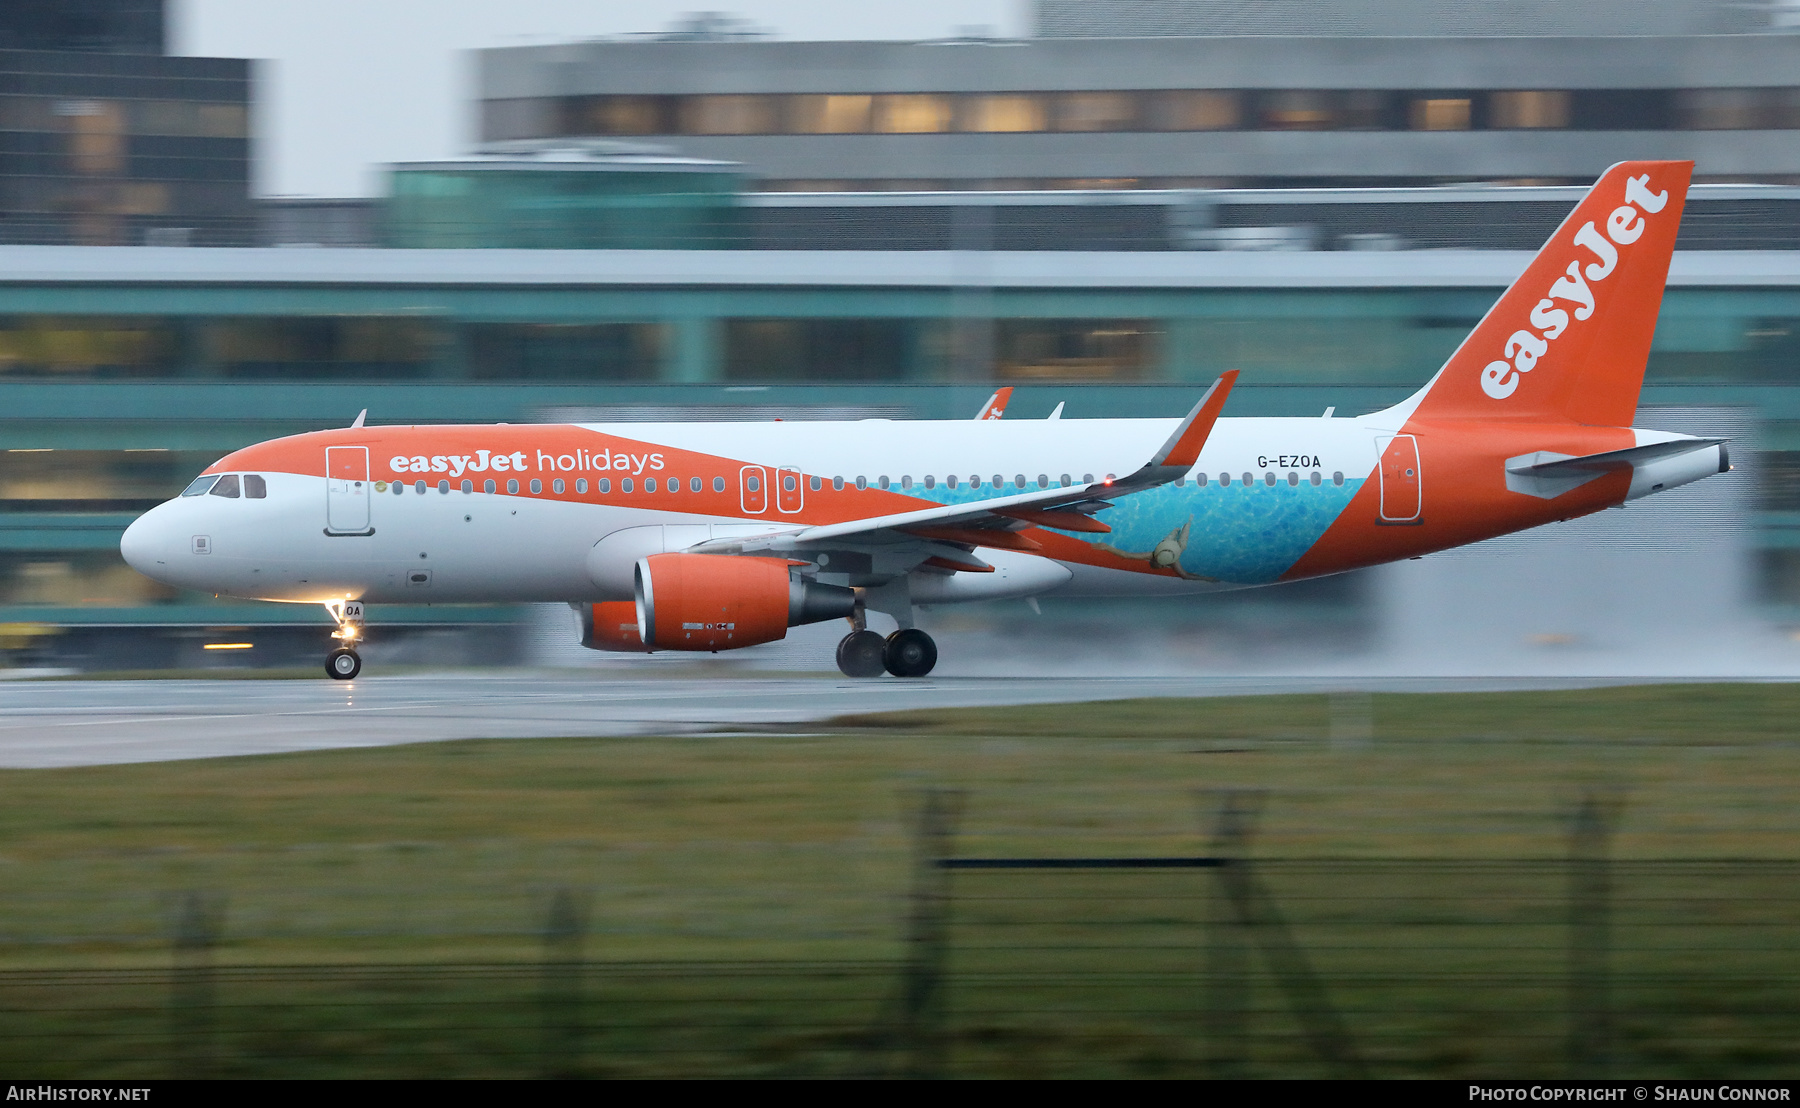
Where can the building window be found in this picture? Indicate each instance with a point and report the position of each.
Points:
(1204, 110)
(729, 115)
(1011, 112)
(829, 115)
(1296, 110)
(1074, 349)
(1528, 109)
(1446, 114)
(617, 115)
(911, 114)
(1097, 111)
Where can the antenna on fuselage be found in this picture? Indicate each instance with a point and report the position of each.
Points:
(360, 416)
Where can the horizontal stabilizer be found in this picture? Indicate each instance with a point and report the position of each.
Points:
(1546, 464)
(1548, 475)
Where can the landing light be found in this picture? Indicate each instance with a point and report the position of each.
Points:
(228, 646)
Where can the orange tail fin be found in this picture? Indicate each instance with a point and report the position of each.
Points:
(1568, 341)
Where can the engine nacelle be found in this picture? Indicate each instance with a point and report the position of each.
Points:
(720, 602)
(611, 625)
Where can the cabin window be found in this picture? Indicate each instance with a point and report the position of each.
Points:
(603, 485)
(443, 486)
(468, 486)
(816, 483)
(694, 484)
(837, 484)
(1043, 481)
(488, 487)
(862, 482)
(1224, 478)
(624, 484)
(419, 487)
(1293, 478)
(930, 481)
(950, 481)
(1181, 482)
(1199, 480)
(581, 484)
(1269, 479)
(200, 485)
(557, 485)
(399, 488)
(1066, 481)
(999, 481)
(905, 481)
(754, 484)
(883, 481)
(255, 487)
(537, 486)
(974, 480)
(512, 486)
(1337, 478)
(649, 484)
(227, 486)
(718, 484)
(1018, 481)
(1087, 478)
(1316, 479)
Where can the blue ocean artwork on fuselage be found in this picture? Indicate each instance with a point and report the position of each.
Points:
(1238, 534)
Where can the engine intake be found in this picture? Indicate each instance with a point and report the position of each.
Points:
(718, 602)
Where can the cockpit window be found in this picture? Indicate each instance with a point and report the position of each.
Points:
(255, 487)
(200, 485)
(227, 486)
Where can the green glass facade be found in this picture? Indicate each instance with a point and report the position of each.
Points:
(551, 206)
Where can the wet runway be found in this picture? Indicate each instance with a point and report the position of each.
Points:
(82, 723)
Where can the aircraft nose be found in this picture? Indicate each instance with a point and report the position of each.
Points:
(144, 545)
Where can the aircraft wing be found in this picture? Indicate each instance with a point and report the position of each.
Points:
(995, 521)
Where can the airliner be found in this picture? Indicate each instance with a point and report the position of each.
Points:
(718, 536)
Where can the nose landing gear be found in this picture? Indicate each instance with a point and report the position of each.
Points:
(344, 663)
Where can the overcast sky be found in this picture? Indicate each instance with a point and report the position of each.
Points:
(351, 84)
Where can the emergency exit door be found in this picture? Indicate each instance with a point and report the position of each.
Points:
(1401, 499)
(347, 490)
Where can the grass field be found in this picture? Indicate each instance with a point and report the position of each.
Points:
(383, 910)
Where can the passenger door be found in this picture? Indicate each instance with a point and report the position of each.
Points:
(1401, 497)
(347, 490)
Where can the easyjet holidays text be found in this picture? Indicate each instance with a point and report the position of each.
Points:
(1524, 348)
(521, 461)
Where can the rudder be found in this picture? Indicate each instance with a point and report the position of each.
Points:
(1569, 339)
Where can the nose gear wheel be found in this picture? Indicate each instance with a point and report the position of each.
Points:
(343, 664)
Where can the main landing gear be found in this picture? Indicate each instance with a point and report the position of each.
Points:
(344, 663)
(908, 652)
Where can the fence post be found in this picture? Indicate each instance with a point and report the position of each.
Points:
(927, 939)
(561, 985)
(1590, 936)
(1228, 947)
(198, 921)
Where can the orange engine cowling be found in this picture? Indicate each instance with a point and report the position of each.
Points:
(720, 602)
(611, 626)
